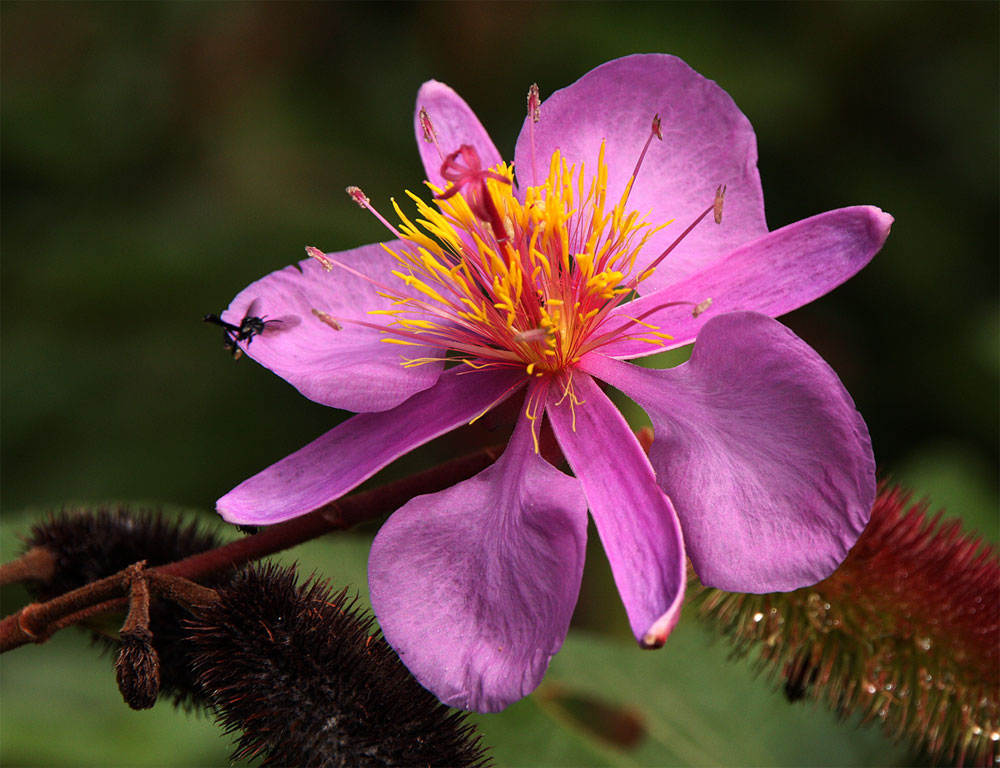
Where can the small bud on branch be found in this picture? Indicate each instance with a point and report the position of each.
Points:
(137, 667)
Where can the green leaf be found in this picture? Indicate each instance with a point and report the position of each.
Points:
(690, 705)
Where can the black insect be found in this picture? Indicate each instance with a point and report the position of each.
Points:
(251, 325)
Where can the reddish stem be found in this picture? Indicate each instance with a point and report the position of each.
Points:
(36, 622)
(37, 564)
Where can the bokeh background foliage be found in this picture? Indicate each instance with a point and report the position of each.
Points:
(157, 157)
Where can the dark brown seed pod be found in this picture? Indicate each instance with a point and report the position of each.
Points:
(305, 678)
(91, 543)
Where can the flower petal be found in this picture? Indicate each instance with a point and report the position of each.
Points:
(779, 272)
(350, 368)
(707, 141)
(454, 124)
(635, 520)
(475, 586)
(355, 450)
(760, 448)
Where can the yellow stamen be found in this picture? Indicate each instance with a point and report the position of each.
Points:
(529, 286)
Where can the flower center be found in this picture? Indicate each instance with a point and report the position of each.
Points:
(506, 283)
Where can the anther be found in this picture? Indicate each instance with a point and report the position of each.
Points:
(533, 335)
(700, 307)
(358, 196)
(655, 131)
(720, 196)
(362, 200)
(327, 319)
(317, 254)
(535, 114)
(508, 227)
(534, 103)
(430, 135)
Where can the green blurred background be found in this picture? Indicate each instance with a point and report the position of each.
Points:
(157, 157)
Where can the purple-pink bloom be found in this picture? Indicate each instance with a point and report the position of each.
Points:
(539, 290)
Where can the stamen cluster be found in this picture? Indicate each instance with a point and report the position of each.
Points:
(506, 283)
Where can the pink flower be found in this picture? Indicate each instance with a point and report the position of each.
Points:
(501, 289)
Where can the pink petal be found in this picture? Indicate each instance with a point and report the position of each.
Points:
(350, 368)
(355, 450)
(760, 448)
(475, 586)
(455, 124)
(774, 274)
(707, 141)
(635, 520)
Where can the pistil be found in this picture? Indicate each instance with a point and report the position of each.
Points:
(464, 170)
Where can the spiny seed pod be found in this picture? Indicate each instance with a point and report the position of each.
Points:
(906, 631)
(91, 543)
(306, 679)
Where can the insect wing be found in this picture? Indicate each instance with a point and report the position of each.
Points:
(253, 309)
(273, 325)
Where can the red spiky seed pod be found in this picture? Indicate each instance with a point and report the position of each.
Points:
(906, 631)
